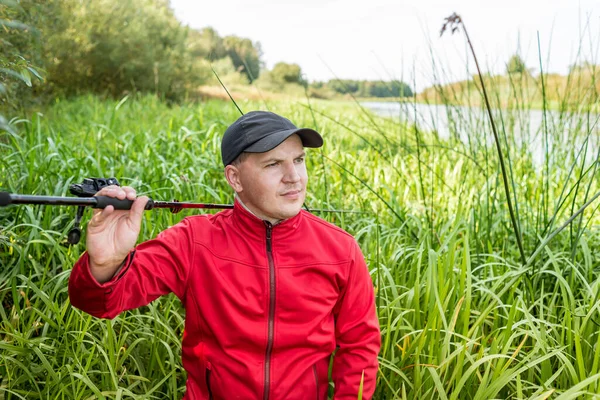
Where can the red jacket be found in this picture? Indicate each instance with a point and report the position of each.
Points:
(265, 305)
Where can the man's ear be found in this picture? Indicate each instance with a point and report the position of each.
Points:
(232, 174)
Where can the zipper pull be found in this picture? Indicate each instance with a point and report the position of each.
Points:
(269, 234)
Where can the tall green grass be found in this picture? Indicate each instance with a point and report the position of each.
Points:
(462, 316)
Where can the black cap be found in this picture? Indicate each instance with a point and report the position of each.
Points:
(261, 131)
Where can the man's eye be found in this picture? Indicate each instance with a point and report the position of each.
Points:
(271, 165)
(300, 160)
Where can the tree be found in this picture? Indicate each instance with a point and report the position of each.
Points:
(244, 54)
(516, 65)
(286, 73)
(19, 52)
(206, 43)
(116, 46)
(344, 86)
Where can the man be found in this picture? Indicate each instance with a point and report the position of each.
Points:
(270, 290)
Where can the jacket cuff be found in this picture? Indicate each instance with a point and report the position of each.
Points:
(91, 296)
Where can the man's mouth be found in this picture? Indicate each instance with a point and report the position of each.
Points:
(292, 194)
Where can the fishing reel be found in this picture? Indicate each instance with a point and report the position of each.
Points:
(88, 188)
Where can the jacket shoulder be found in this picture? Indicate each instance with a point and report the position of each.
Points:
(207, 221)
(332, 231)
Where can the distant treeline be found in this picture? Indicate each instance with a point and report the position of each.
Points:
(70, 47)
(284, 75)
(366, 88)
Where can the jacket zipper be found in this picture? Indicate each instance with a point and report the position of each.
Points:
(271, 310)
(208, 371)
(316, 379)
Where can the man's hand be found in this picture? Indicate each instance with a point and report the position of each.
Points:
(111, 234)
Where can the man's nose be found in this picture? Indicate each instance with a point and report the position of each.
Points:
(291, 173)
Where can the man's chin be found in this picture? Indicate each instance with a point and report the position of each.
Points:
(291, 211)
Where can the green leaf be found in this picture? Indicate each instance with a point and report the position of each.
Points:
(5, 126)
(12, 73)
(14, 24)
(26, 77)
(36, 73)
(360, 387)
(11, 3)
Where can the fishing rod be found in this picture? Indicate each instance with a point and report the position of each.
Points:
(86, 197)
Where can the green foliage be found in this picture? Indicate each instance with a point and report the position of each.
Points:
(111, 47)
(367, 88)
(283, 78)
(244, 54)
(460, 318)
(287, 73)
(118, 46)
(385, 89)
(344, 86)
(18, 46)
(228, 73)
(206, 43)
(516, 65)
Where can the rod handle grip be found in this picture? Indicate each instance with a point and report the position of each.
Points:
(104, 201)
(5, 199)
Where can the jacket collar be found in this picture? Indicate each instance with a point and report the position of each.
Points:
(249, 224)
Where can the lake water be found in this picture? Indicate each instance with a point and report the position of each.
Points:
(525, 127)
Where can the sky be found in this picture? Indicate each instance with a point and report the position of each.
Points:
(381, 39)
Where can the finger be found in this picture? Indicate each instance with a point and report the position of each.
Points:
(137, 209)
(100, 217)
(129, 192)
(112, 191)
(106, 190)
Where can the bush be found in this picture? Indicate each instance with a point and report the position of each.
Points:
(287, 73)
(118, 46)
(227, 72)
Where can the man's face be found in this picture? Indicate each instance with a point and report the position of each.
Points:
(272, 184)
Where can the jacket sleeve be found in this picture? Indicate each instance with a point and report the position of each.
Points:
(357, 333)
(154, 268)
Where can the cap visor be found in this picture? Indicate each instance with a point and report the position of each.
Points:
(309, 137)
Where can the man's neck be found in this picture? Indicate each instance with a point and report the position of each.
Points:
(272, 221)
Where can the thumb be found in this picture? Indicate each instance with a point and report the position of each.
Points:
(137, 209)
